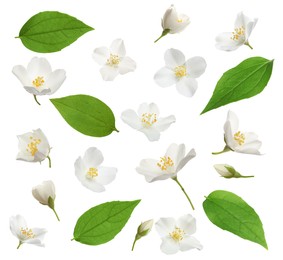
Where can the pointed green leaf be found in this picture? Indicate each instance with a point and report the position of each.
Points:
(86, 114)
(230, 212)
(246, 80)
(102, 223)
(51, 31)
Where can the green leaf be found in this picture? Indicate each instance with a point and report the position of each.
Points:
(51, 31)
(246, 80)
(230, 212)
(102, 223)
(86, 114)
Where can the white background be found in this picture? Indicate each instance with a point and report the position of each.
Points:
(138, 24)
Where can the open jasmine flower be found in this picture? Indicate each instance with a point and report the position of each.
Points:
(168, 166)
(38, 78)
(147, 120)
(179, 72)
(113, 60)
(19, 229)
(173, 22)
(90, 172)
(230, 41)
(238, 141)
(33, 147)
(176, 234)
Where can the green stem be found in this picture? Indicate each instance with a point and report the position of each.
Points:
(250, 176)
(49, 161)
(226, 149)
(182, 188)
(35, 98)
(56, 214)
(20, 243)
(165, 32)
(133, 246)
(248, 44)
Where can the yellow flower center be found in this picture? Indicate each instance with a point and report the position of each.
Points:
(113, 60)
(92, 173)
(148, 119)
(180, 71)
(165, 162)
(239, 137)
(238, 33)
(177, 234)
(180, 20)
(38, 82)
(32, 146)
(27, 232)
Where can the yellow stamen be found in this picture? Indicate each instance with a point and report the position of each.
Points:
(92, 173)
(180, 71)
(180, 20)
(165, 162)
(177, 234)
(38, 82)
(239, 137)
(32, 146)
(148, 119)
(238, 33)
(113, 60)
(27, 232)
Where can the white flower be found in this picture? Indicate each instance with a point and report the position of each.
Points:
(113, 60)
(45, 194)
(25, 234)
(179, 72)
(33, 147)
(147, 120)
(176, 235)
(90, 172)
(230, 41)
(173, 22)
(38, 78)
(228, 171)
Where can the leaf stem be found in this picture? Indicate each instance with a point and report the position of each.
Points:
(165, 32)
(56, 214)
(226, 149)
(49, 161)
(35, 98)
(248, 44)
(182, 188)
(20, 243)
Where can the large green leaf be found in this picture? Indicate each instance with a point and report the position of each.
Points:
(230, 212)
(86, 114)
(246, 80)
(51, 31)
(102, 223)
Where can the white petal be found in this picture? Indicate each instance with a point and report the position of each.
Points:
(240, 20)
(189, 242)
(100, 55)
(249, 28)
(234, 121)
(34, 241)
(176, 153)
(92, 157)
(93, 185)
(131, 118)
(151, 108)
(165, 77)
(151, 133)
(169, 17)
(118, 48)
(163, 123)
(187, 86)
(106, 175)
(109, 73)
(169, 246)
(177, 26)
(164, 226)
(43, 191)
(80, 169)
(43, 147)
(16, 223)
(38, 67)
(174, 58)
(55, 80)
(35, 91)
(190, 155)
(225, 43)
(21, 73)
(126, 65)
(195, 66)
(39, 233)
(187, 223)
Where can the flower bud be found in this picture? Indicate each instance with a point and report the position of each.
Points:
(227, 171)
(145, 227)
(43, 191)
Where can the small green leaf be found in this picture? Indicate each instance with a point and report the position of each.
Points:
(102, 223)
(86, 114)
(246, 80)
(51, 31)
(230, 212)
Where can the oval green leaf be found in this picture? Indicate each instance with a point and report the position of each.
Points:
(51, 31)
(230, 212)
(86, 114)
(246, 80)
(102, 223)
